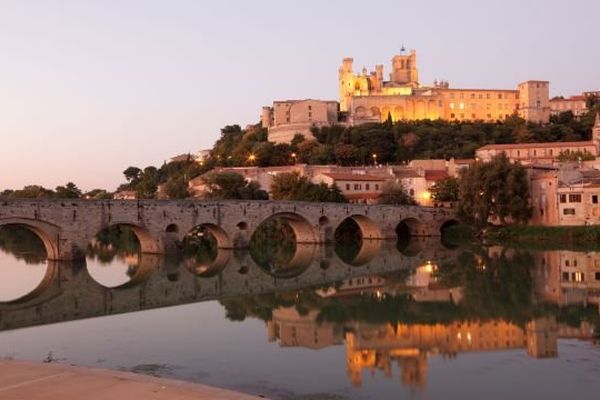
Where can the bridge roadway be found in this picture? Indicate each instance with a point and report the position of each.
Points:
(68, 292)
(67, 226)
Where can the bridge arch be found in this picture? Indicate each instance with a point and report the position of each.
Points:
(207, 250)
(148, 244)
(48, 233)
(304, 232)
(368, 229)
(411, 227)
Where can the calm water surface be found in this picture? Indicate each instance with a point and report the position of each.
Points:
(371, 321)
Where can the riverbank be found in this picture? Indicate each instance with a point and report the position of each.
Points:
(36, 381)
(577, 238)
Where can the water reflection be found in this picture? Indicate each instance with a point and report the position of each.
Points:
(22, 255)
(389, 307)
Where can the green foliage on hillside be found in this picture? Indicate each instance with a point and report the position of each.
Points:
(292, 186)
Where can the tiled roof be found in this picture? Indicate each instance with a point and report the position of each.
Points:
(353, 177)
(434, 175)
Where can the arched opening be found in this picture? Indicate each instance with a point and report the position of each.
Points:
(242, 226)
(172, 228)
(206, 250)
(357, 240)
(283, 245)
(46, 233)
(114, 257)
(408, 231)
(25, 272)
(375, 113)
(450, 237)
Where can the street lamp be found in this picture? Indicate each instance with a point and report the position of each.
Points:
(251, 158)
(374, 156)
(294, 155)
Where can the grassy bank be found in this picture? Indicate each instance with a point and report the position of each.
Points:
(581, 238)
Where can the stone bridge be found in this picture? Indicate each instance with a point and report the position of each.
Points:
(66, 227)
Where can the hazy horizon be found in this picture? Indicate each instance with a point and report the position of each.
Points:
(90, 88)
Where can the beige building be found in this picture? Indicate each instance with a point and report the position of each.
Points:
(355, 187)
(576, 104)
(285, 119)
(368, 97)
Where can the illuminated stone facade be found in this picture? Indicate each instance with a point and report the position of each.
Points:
(369, 98)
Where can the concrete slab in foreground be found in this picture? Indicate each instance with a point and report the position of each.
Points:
(21, 380)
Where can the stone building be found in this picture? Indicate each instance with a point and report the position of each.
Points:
(287, 118)
(368, 97)
(540, 153)
(576, 104)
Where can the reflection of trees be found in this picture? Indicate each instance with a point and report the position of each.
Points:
(114, 242)
(22, 244)
(200, 245)
(273, 245)
(493, 287)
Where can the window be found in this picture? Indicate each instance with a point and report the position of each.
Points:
(595, 198)
(472, 95)
(578, 276)
(563, 198)
(500, 96)
(565, 276)
(368, 186)
(567, 263)
(451, 95)
(452, 106)
(357, 186)
(574, 198)
(452, 115)
(597, 276)
(377, 186)
(487, 96)
(462, 95)
(569, 211)
(347, 186)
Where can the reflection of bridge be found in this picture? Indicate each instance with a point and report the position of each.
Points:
(69, 293)
(67, 226)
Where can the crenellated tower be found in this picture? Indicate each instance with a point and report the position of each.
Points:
(347, 83)
(404, 69)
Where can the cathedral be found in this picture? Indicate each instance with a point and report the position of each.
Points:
(369, 97)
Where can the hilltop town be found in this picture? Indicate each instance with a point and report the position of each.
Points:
(392, 140)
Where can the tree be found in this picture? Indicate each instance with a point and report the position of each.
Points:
(148, 183)
(229, 185)
(568, 155)
(394, 193)
(33, 192)
(132, 174)
(494, 190)
(69, 191)
(292, 186)
(98, 194)
(177, 188)
(445, 190)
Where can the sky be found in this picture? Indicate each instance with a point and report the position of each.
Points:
(88, 88)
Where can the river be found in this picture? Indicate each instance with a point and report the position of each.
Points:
(372, 320)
